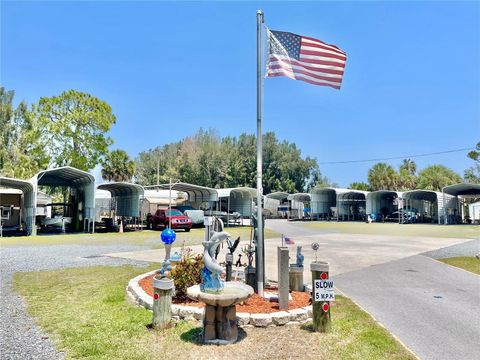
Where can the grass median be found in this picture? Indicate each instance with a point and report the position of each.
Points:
(468, 263)
(395, 229)
(86, 313)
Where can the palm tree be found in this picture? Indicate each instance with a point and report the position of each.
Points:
(117, 166)
(409, 166)
(382, 177)
(436, 177)
(407, 175)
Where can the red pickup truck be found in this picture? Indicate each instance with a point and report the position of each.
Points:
(162, 217)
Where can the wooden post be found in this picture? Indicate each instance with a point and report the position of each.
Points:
(283, 287)
(321, 309)
(296, 278)
(162, 301)
(250, 277)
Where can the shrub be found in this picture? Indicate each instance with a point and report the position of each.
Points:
(186, 273)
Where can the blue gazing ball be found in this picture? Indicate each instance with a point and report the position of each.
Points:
(168, 236)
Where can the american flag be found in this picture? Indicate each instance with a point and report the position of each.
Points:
(289, 241)
(304, 58)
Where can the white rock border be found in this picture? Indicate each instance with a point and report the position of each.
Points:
(291, 317)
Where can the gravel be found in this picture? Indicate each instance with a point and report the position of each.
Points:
(20, 337)
(469, 248)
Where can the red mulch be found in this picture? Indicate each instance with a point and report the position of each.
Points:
(255, 304)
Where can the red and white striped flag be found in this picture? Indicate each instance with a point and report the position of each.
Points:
(304, 58)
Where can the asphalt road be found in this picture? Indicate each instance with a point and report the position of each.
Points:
(431, 307)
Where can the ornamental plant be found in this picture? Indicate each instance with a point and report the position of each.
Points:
(186, 273)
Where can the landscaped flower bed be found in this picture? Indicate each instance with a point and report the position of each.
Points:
(255, 311)
(254, 305)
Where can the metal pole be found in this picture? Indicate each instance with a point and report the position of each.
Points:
(170, 205)
(260, 268)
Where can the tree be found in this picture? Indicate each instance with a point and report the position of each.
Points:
(21, 150)
(407, 179)
(74, 125)
(360, 186)
(382, 177)
(409, 167)
(207, 159)
(435, 177)
(472, 174)
(117, 166)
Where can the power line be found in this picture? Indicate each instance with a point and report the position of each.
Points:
(393, 158)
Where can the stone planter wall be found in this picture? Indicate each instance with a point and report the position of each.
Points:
(280, 318)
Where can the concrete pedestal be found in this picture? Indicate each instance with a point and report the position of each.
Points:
(220, 316)
(296, 278)
(220, 325)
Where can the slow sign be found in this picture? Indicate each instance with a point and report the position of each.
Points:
(324, 290)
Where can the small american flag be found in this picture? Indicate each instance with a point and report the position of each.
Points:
(304, 58)
(289, 241)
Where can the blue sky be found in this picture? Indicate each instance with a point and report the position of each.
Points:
(411, 84)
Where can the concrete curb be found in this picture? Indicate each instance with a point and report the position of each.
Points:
(139, 297)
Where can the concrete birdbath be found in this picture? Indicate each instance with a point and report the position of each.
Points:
(220, 316)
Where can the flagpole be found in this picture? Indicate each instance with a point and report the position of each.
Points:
(260, 265)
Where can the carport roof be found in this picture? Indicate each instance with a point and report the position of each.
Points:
(302, 197)
(398, 193)
(353, 194)
(422, 194)
(243, 190)
(23, 185)
(278, 195)
(122, 188)
(462, 189)
(336, 190)
(64, 176)
(196, 193)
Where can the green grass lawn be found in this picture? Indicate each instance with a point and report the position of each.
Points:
(146, 237)
(468, 263)
(422, 230)
(86, 313)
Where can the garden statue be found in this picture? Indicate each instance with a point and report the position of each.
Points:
(219, 318)
(300, 256)
(212, 270)
(229, 257)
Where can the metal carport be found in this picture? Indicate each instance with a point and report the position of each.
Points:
(454, 206)
(126, 198)
(297, 202)
(324, 202)
(383, 202)
(82, 192)
(238, 199)
(351, 205)
(28, 201)
(428, 203)
(196, 194)
(273, 203)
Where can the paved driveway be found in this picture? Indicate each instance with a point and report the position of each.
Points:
(432, 307)
(344, 252)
